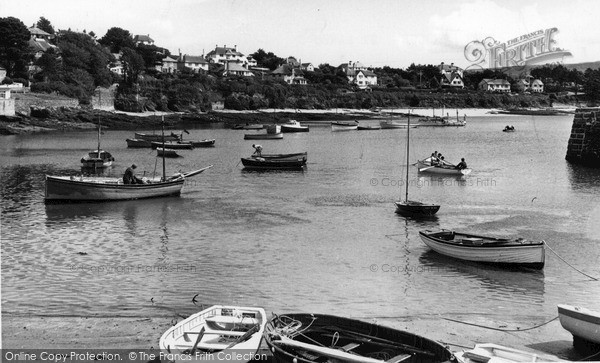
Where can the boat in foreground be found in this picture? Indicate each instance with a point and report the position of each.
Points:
(260, 163)
(309, 338)
(506, 251)
(219, 331)
(344, 126)
(97, 159)
(583, 323)
(89, 189)
(489, 353)
(292, 156)
(425, 166)
(293, 126)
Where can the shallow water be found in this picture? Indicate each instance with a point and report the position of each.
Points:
(323, 240)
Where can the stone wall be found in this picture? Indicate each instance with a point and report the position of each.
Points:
(7, 107)
(104, 98)
(584, 143)
(24, 103)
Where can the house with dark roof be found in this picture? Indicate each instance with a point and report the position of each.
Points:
(235, 69)
(39, 41)
(537, 86)
(290, 74)
(358, 74)
(451, 76)
(494, 85)
(143, 39)
(307, 67)
(223, 55)
(195, 63)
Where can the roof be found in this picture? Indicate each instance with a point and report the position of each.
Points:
(37, 31)
(287, 70)
(143, 38)
(367, 73)
(40, 45)
(495, 81)
(223, 51)
(448, 67)
(194, 59)
(169, 59)
(537, 81)
(235, 67)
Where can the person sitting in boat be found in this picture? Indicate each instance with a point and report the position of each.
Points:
(434, 159)
(129, 176)
(462, 164)
(257, 150)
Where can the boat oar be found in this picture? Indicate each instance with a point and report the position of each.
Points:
(244, 337)
(426, 168)
(200, 334)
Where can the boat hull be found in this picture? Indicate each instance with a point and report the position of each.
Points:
(106, 189)
(394, 125)
(416, 209)
(580, 322)
(370, 339)
(156, 137)
(289, 128)
(344, 126)
(173, 145)
(258, 163)
(203, 143)
(277, 136)
(488, 352)
(487, 249)
(138, 143)
(220, 328)
(168, 153)
(426, 167)
(292, 156)
(368, 128)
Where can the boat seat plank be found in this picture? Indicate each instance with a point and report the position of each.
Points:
(348, 347)
(399, 358)
(217, 332)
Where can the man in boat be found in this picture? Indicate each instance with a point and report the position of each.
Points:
(129, 176)
(462, 164)
(257, 150)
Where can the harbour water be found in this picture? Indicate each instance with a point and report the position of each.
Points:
(324, 240)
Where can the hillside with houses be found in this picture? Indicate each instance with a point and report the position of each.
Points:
(144, 76)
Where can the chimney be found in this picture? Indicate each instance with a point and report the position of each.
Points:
(235, 47)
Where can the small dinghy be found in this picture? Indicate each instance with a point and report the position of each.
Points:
(583, 323)
(493, 353)
(227, 331)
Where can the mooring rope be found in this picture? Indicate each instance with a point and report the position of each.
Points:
(500, 329)
(573, 267)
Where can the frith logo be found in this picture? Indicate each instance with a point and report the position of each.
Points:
(531, 48)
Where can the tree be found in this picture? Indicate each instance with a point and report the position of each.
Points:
(267, 60)
(133, 65)
(117, 39)
(14, 47)
(45, 25)
(591, 84)
(151, 54)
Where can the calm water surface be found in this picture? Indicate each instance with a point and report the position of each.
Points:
(323, 240)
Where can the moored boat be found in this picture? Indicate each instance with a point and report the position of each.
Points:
(310, 338)
(476, 248)
(293, 126)
(509, 129)
(488, 352)
(393, 125)
(344, 125)
(97, 159)
(247, 126)
(425, 166)
(157, 137)
(263, 136)
(88, 189)
(168, 153)
(176, 145)
(218, 331)
(138, 143)
(260, 163)
(291, 156)
(582, 323)
(202, 143)
(368, 127)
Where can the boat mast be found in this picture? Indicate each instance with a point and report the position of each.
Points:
(407, 156)
(99, 131)
(164, 178)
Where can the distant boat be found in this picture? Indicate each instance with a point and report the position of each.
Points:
(442, 121)
(394, 125)
(446, 168)
(368, 127)
(469, 247)
(97, 159)
(344, 125)
(169, 153)
(202, 143)
(413, 208)
(157, 137)
(219, 333)
(264, 136)
(484, 353)
(509, 129)
(138, 143)
(176, 145)
(583, 323)
(293, 126)
(311, 338)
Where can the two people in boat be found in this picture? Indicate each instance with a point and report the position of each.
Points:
(129, 176)
(509, 128)
(257, 150)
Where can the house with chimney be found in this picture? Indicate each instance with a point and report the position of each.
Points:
(143, 39)
(39, 41)
(194, 62)
(223, 55)
(359, 75)
(236, 69)
(451, 76)
(290, 74)
(494, 85)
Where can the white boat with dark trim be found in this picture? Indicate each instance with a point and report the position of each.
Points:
(344, 125)
(97, 159)
(489, 352)
(583, 323)
(293, 126)
(504, 251)
(219, 331)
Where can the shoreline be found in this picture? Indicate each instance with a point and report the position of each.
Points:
(79, 119)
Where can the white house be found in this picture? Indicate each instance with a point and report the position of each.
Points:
(169, 65)
(290, 74)
(494, 85)
(537, 86)
(223, 55)
(237, 70)
(195, 63)
(451, 76)
(358, 74)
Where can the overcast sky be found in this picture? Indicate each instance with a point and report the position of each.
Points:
(376, 33)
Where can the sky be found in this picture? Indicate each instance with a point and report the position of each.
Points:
(375, 33)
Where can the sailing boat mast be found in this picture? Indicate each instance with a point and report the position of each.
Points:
(164, 178)
(99, 127)
(407, 155)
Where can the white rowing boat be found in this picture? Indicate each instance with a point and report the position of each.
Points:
(494, 353)
(583, 323)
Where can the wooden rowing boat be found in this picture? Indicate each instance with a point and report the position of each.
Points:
(583, 323)
(97, 159)
(202, 143)
(470, 247)
(309, 338)
(98, 189)
(446, 168)
(260, 163)
(488, 352)
(230, 332)
(175, 145)
(291, 156)
(168, 153)
(276, 136)
(138, 143)
(344, 125)
(157, 137)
